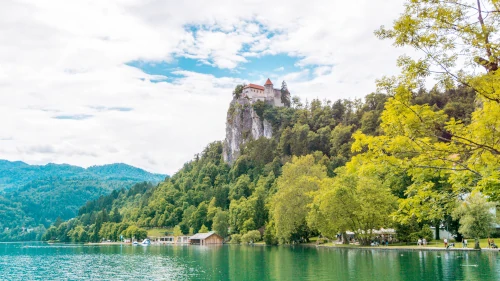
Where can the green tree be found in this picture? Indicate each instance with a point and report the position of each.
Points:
(221, 223)
(355, 200)
(177, 231)
(285, 95)
(251, 237)
(242, 188)
(115, 216)
(270, 234)
(455, 38)
(236, 238)
(203, 229)
(289, 206)
(237, 91)
(135, 232)
(476, 218)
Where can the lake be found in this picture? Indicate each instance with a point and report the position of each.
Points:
(38, 261)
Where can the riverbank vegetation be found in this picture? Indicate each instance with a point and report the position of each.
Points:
(404, 157)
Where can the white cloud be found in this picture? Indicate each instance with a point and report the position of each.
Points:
(67, 58)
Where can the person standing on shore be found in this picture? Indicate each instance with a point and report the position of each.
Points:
(465, 243)
(489, 242)
(445, 243)
(424, 241)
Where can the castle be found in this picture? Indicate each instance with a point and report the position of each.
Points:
(264, 93)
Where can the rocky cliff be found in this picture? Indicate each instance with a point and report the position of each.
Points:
(242, 125)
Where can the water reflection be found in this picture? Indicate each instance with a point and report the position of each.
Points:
(22, 261)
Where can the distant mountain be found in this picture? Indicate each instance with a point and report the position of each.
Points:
(34, 196)
(16, 174)
(123, 172)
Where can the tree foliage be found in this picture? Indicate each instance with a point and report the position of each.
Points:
(289, 206)
(355, 200)
(476, 219)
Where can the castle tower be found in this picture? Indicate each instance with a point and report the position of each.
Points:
(268, 90)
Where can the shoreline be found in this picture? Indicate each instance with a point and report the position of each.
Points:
(349, 247)
(408, 248)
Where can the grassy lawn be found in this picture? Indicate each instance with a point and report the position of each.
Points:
(483, 243)
(156, 232)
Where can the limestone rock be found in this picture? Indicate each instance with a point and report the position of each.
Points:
(242, 125)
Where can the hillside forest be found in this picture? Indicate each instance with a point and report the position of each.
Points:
(32, 197)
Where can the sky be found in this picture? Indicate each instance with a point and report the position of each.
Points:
(148, 82)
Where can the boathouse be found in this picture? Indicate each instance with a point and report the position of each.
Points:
(210, 238)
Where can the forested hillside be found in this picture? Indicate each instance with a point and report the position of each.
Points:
(267, 187)
(34, 196)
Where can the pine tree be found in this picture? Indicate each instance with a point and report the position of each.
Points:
(285, 94)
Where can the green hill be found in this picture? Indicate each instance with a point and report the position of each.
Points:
(210, 192)
(33, 196)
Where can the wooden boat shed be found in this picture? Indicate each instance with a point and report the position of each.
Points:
(210, 238)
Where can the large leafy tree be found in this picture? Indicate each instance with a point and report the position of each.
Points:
(476, 219)
(221, 223)
(290, 204)
(445, 157)
(459, 41)
(355, 200)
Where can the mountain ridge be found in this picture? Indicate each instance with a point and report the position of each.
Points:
(34, 196)
(18, 173)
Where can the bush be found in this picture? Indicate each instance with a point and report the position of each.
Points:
(426, 233)
(321, 241)
(236, 238)
(203, 229)
(251, 237)
(269, 235)
(413, 238)
(135, 232)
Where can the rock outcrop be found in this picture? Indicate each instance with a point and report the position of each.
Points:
(242, 125)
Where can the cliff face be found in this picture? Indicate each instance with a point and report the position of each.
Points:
(242, 125)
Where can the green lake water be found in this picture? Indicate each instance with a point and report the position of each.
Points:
(37, 261)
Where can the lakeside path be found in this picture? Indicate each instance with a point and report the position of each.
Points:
(341, 246)
(405, 248)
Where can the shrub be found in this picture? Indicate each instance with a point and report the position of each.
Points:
(203, 229)
(236, 238)
(251, 237)
(269, 235)
(321, 241)
(426, 233)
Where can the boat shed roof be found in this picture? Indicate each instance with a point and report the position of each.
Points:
(202, 235)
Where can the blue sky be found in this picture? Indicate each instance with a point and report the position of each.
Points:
(253, 70)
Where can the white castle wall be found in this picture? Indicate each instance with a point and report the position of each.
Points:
(269, 95)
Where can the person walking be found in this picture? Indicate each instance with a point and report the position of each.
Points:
(424, 241)
(465, 243)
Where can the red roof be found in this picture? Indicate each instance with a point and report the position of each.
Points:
(268, 82)
(255, 87)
